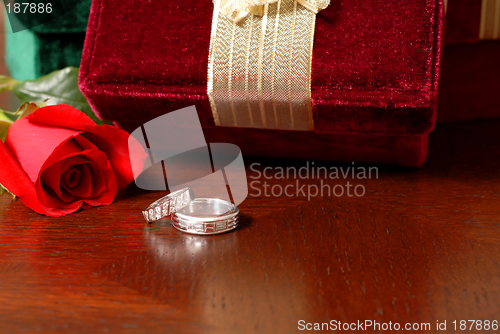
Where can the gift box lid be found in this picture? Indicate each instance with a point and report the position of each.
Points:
(374, 69)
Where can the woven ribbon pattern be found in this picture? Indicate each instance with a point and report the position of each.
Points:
(260, 63)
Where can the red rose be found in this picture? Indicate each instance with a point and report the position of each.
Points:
(57, 160)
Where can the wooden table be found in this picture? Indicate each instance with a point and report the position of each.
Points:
(421, 246)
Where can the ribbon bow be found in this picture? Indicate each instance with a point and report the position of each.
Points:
(236, 10)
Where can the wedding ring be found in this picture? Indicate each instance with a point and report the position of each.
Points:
(167, 205)
(207, 216)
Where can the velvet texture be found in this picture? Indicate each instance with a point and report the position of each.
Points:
(48, 47)
(374, 76)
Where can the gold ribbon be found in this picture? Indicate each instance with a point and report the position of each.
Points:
(236, 10)
(260, 57)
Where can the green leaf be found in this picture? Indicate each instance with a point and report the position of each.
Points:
(5, 122)
(4, 117)
(7, 83)
(5, 190)
(28, 108)
(6, 113)
(4, 127)
(58, 87)
(8, 117)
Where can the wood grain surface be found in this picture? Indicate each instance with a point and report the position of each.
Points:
(422, 245)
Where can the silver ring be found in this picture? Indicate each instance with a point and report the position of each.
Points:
(207, 216)
(167, 205)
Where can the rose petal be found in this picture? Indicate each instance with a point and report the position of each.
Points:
(52, 168)
(50, 179)
(50, 192)
(66, 149)
(54, 126)
(72, 152)
(83, 188)
(100, 177)
(62, 116)
(13, 177)
(114, 142)
(32, 144)
(97, 175)
(109, 139)
(82, 185)
(71, 177)
(106, 179)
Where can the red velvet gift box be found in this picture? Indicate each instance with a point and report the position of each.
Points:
(375, 69)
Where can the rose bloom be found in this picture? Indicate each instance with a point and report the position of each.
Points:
(57, 160)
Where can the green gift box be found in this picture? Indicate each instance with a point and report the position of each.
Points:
(47, 47)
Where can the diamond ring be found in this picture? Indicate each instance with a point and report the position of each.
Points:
(206, 216)
(167, 205)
